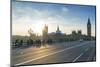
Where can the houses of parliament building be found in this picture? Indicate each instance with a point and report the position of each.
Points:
(58, 36)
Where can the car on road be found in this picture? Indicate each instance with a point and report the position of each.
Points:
(81, 40)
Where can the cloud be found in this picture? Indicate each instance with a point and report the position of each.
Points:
(29, 14)
(65, 9)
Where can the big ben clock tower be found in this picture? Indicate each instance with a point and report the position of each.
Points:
(89, 28)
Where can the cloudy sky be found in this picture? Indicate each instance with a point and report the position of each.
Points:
(26, 15)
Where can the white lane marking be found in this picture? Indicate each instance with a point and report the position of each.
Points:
(78, 57)
(50, 54)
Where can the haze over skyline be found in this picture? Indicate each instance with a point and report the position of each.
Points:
(26, 15)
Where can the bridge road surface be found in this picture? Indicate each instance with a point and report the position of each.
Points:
(55, 53)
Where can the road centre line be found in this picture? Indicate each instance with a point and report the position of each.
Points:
(78, 57)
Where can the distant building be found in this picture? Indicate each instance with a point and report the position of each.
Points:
(74, 32)
(57, 36)
(79, 32)
(45, 30)
(45, 33)
(58, 31)
(89, 28)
